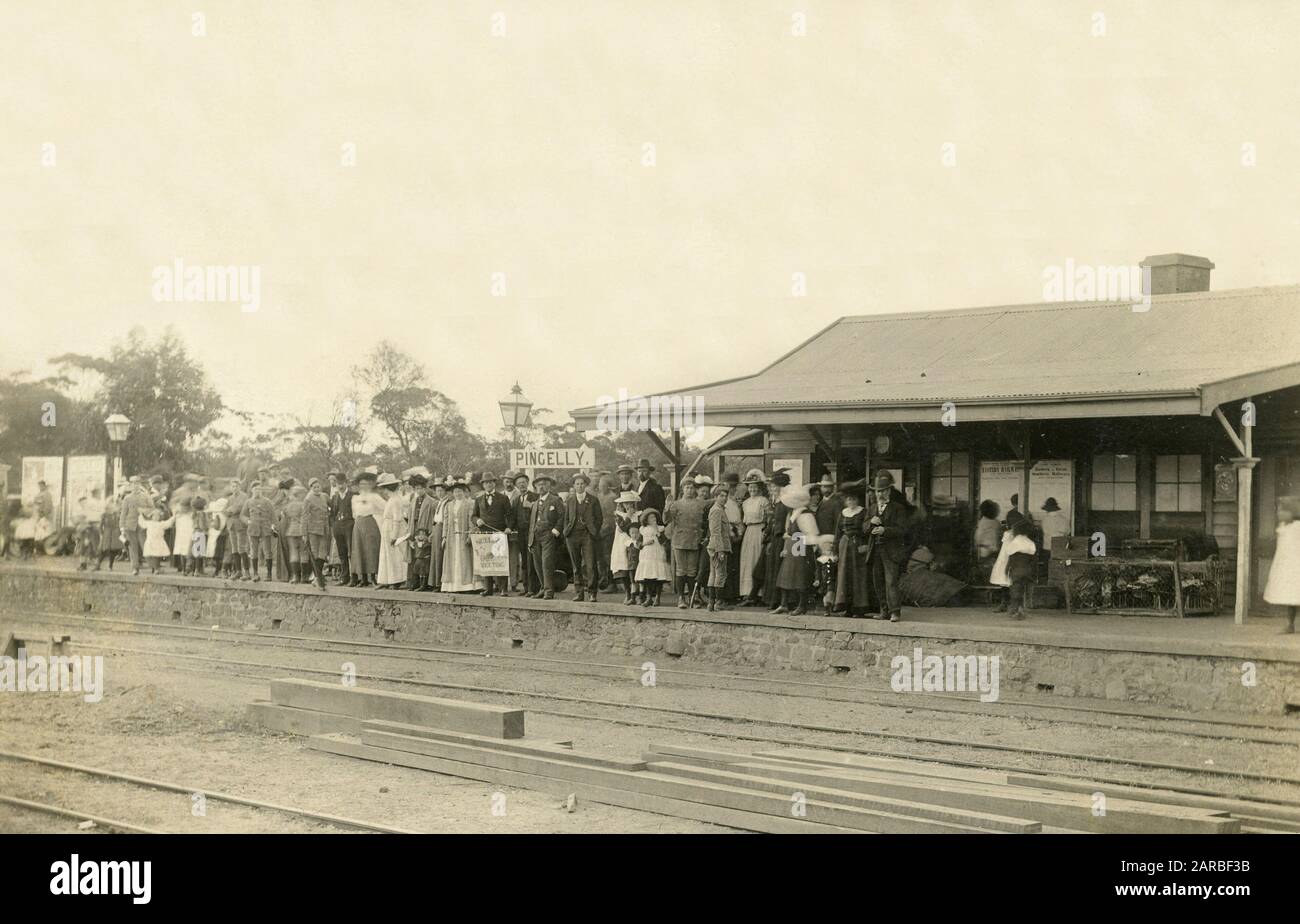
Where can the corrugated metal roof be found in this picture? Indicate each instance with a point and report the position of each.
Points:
(1063, 350)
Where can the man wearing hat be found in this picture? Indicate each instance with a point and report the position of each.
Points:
(651, 491)
(135, 503)
(260, 515)
(704, 494)
(492, 512)
(340, 509)
(626, 478)
(237, 527)
(543, 533)
(686, 519)
(582, 522)
(521, 512)
(887, 530)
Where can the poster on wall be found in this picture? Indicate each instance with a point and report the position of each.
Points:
(1051, 483)
(48, 469)
(86, 473)
(1049, 478)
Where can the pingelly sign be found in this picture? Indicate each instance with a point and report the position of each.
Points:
(581, 457)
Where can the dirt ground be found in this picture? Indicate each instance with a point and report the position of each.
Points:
(182, 720)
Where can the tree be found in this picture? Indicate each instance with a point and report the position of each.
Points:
(162, 389)
(38, 418)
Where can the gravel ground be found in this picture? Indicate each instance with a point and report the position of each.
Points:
(183, 721)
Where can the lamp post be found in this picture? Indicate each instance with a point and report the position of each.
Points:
(515, 409)
(118, 426)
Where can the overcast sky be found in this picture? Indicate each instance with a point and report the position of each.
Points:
(525, 154)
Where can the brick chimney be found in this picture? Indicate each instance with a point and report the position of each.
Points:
(1169, 273)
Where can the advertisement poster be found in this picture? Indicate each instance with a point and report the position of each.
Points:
(50, 470)
(1052, 478)
(85, 473)
(491, 554)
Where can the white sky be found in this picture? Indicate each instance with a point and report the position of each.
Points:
(522, 154)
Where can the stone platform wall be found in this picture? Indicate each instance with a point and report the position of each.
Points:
(741, 638)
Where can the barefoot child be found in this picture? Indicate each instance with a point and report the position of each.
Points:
(1283, 586)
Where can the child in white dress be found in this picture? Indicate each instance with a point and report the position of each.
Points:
(155, 527)
(652, 565)
(1283, 586)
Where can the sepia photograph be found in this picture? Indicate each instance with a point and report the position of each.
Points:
(623, 422)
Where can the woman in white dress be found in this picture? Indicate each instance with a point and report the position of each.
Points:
(624, 516)
(392, 533)
(458, 555)
(753, 514)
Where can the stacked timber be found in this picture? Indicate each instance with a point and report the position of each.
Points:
(309, 707)
(787, 791)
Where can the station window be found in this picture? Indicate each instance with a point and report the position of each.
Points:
(1114, 482)
(1178, 484)
(950, 475)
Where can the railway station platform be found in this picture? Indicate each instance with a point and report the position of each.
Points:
(1204, 664)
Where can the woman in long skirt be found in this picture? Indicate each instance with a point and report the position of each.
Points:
(852, 595)
(754, 511)
(794, 579)
(110, 534)
(458, 554)
(367, 508)
(392, 528)
(442, 500)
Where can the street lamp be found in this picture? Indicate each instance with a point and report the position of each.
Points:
(515, 409)
(118, 426)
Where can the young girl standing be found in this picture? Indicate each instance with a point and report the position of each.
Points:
(1283, 586)
(652, 567)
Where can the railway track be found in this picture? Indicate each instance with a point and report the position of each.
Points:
(1246, 729)
(1176, 777)
(144, 783)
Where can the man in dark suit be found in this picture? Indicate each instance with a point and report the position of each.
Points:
(543, 533)
(340, 508)
(492, 512)
(888, 529)
(582, 520)
(652, 493)
(521, 514)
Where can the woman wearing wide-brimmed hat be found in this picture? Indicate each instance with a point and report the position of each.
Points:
(367, 508)
(458, 549)
(625, 505)
(794, 579)
(754, 511)
(393, 531)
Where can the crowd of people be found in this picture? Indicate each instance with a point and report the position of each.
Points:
(751, 540)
